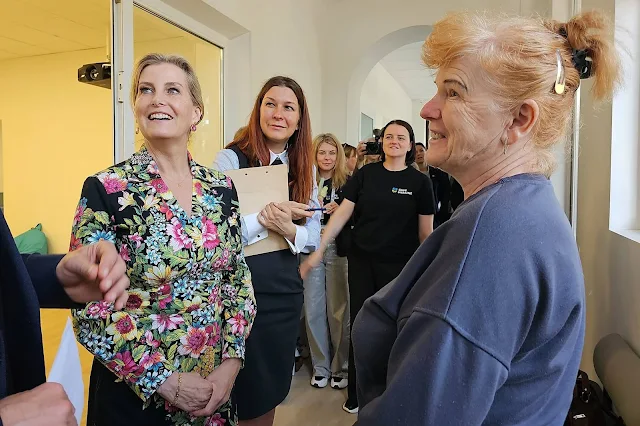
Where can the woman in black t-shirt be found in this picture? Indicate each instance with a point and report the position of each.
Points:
(392, 206)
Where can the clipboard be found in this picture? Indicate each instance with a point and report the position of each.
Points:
(257, 187)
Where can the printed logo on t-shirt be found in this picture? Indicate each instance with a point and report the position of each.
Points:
(401, 191)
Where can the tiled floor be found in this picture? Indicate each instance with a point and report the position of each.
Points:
(308, 406)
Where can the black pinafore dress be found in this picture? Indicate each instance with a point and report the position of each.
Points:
(265, 380)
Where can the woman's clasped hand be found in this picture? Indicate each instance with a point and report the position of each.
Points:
(200, 396)
(279, 217)
(187, 391)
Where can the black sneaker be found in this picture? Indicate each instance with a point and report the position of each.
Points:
(350, 407)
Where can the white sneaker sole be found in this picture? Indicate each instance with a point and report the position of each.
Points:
(354, 411)
(319, 384)
(338, 387)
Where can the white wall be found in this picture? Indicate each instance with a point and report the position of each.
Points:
(610, 261)
(383, 99)
(281, 40)
(292, 37)
(354, 44)
(260, 40)
(418, 123)
(560, 10)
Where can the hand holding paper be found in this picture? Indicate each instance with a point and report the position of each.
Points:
(256, 188)
(277, 218)
(298, 210)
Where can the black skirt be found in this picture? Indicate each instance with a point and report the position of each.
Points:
(265, 380)
(113, 403)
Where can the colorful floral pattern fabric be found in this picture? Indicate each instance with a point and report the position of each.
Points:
(191, 302)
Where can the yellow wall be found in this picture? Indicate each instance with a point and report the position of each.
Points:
(56, 132)
(1, 170)
(207, 140)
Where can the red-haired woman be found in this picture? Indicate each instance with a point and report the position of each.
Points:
(279, 132)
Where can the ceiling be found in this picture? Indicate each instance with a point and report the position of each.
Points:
(43, 27)
(405, 65)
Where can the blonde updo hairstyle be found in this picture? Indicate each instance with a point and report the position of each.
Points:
(158, 58)
(518, 60)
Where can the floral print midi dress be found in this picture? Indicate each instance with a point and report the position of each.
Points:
(191, 303)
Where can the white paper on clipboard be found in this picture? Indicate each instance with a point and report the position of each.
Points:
(257, 187)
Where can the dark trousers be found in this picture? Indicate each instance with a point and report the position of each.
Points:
(366, 277)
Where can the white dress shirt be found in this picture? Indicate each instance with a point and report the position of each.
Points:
(307, 237)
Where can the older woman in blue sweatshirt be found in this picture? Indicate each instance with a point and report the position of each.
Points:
(485, 324)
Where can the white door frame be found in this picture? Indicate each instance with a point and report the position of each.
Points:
(122, 62)
(121, 69)
(575, 147)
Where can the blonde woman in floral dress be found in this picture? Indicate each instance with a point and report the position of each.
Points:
(171, 357)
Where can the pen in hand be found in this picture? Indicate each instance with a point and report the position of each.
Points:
(316, 209)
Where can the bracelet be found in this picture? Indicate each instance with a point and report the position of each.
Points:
(175, 399)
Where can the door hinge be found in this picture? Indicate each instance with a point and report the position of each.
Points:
(120, 91)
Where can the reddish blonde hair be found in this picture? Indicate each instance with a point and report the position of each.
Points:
(253, 144)
(517, 56)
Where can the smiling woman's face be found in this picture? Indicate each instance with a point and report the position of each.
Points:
(465, 130)
(396, 141)
(279, 114)
(163, 106)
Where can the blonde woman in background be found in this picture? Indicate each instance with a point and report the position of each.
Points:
(326, 292)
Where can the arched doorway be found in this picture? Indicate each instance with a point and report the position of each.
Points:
(373, 54)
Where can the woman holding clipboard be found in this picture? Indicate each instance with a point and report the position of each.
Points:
(279, 132)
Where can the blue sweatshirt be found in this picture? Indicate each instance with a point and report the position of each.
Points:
(485, 324)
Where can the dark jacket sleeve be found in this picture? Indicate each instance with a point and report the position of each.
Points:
(435, 376)
(42, 271)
